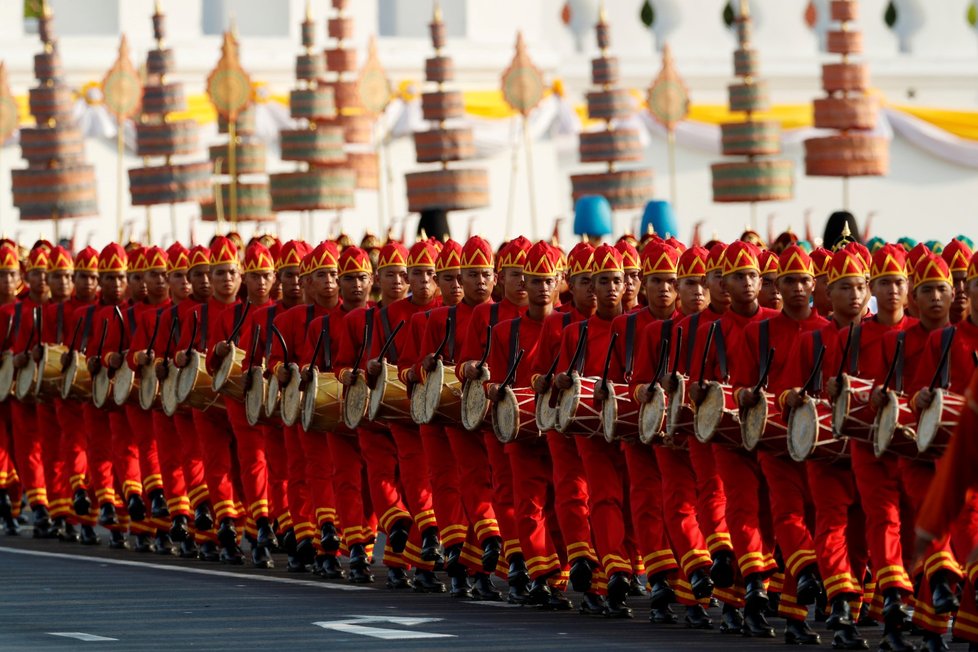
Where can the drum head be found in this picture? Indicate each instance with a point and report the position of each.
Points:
(355, 400)
(841, 407)
(168, 390)
(39, 377)
(308, 402)
(376, 399)
(930, 422)
(651, 416)
(567, 406)
(254, 399)
(475, 403)
(122, 384)
(24, 386)
(149, 385)
(609, 415)
(271, 396)
(506, 416)
(546, 415)
(71, 369)
(223, 372)
(101, 387)
(887, 420)
(802, 431)
(187, 376)
(417, 404)
(753, 424)
(709, 413)
(676, 403)
(291, 401)
(431, 393)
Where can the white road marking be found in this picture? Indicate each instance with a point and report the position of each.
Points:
(82, 636)
(489, 603)
(358, 625)
(189, 570)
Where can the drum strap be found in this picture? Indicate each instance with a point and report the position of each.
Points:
(566, 318)
(60, 323)
(493, 314)
(514, 339)
(630, 324)
(18, 312)
(203, 327)
(370, 330)
(816, 345)
(582, 334)
(385, 325)
(898, 369)
(132, 321)
(87, 328)
(174, 316)
(268, 330)
(450, 354)
(237, 315)
(694, 323)
(721, 347)
(327, 351)
(857, 334)
(946, 336)
(764, 342)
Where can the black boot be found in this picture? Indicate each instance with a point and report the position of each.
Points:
(57, 529)
(491, 549)
(636, 589)
(809, 586)
(848, 638)
(865, 620)
(144, 543)
(398, 536)
(328, 538)
(305, 552)
(893, 641)
(756, 595)
(841, 616)
(157, 504)
(581, 572)
(431, 546)
(202, 517)
(518, 579)
(266, 535)
(427, 582)
(117, 540)
(89, 537)
(453, 561)
(136, 508)
(943, 597)
(537, 595)
(209, 552)
(756, 625)
(558, 601)
(592, 604)
(731, 622)
(616, 605)
(697, 618)
(7, 514)
(232, 555)
(359, 565)
(460, 587)
(261, 557)
(180, 529)
(662, 594)
(42, 521)
(663, 616)
(723, 570)
(330, 569)
(934, 642)
(227, 535)
(188, 549)
(701, 583)
(895, 613)
(69, 534)
(483, 589)
(798, 632)
(398, 579)
(81, 503)
(164, 544)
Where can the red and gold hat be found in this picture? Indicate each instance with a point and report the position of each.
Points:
(767, 262)
(38, 259)
(914, 255)
(154, 259)
(113, 258)
(199, 255)
(676, 244)
(606, 259)
(392, 254)
(541, 260)
(821, 261)
(223, 251)
(86, 260)
(477, 253)
(629, 255)
(579, 259)
(291, 254)
(973, 267)
(258, 259)
(794, 260)
(846, 264)
(739, 256)
(714, 258)
(450, 257)
(324, 256)
(177, 258)
(692, 263)
(9, 261)
(437, 244)
(132, 246)
(353, 260)
(422, 254)
(889, 260)
(513, 253)
(627, 238)
(137, 259)
(59, 260)
(957, 255)
(931, 269)
(659, 258)
(861, 251)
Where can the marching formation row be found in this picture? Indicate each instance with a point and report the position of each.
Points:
(730, 422)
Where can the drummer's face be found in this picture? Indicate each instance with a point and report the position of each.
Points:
(225, 280)
(849, 296)
(796, 290)
(112, 285)
(200, 281)
(156, 284)
(960, 291)
(179, 284)
(60, 284)
(477, 284)
(290, 283)
(354, 288)
(37, 281)
(323, 284)
(769, 295)
(540, 290)
(973, 295)
(608, 288)
(582, 293)
(421, 280)
(514, 287)
(742, 285)
(633, 282)
(693, 295)
(9, 279)
(137, 286)
(86, 285)
(259, 285)
(660, 290)
(933, 300)
(393, 282)
(450, 285)
(719, 296)
(890, 292)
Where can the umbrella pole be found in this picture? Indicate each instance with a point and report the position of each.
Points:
(671, 140)
(528, 144)
(233, 169)
(513, 170)
(120, 170)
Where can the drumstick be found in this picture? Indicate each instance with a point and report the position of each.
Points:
(607, 361)
(816, 371)
(156, 329)
(448, 332)
(945, 353)
(706, 351)
(363, 347)
(285, 350)
(240, 322)
(122, 328)
(511, 374)
(679, 346)
(554, 393)
(762, 381)
(165, 368)
(974, 357)
(193, 332)
(390, 341)
(845, 353)
(71, 344)
(38, 316)
(485, 354)
(30, 339)
(661, 367)
(254, 345)
(101, 340)
(897, 352)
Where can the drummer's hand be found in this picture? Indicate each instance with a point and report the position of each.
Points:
(221, 349)
(305, 376)
(36, 353)
(697, 393)
(833, 388)
(670, 383)
(643, 394)
(374, 367)
(471, 370)
(162, 371)
(541, 384)
(143, 358)
(429, 362)
(115, 360)
(93, 364)
(283, 375)
(923, 399)
(601, 392)
(794, 399)
(180, 359)
(563, 381)
(346, 378)
(20, 360)
(878, 398)
(412, 377)
(748, 399)
(492, 391)
(64, 359)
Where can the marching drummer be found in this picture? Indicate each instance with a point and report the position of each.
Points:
(821, 259)
(957, 255)
(632, 264)
(769, 296)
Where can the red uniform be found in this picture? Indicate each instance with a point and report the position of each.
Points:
(28, 447)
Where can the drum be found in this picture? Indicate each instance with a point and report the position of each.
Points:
(290, 403)
(194, 385)
(101, 387)
(322, 407)
(77, 383)
(715, 419)
(546, 416)
(273, 395)
(680, 418)
(6, 375)
(810, 433)
(168, 390)
(229, 376)
(893, 429)
(389, 399)
(652, 416)
(125, 385)
(356, 399)
(852, 415)
(577, 413)
(441, 397)
(475, 403)
(763, 428)
(26, 379)
(619, 415)
(50, 378)
(254, 398)
(514, 415)
(937, 423)
(149, 386)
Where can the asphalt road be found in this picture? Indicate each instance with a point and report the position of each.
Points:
(60, 596)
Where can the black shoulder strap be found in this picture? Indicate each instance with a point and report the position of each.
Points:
(816, 345)
(514, 340)
(132, 321)
(764, 344)
(450, 325)
(87, 327)
(582, 333)
(18, 313)
(385, 325)
(630, 324)
(174, 317)
(854, 347)
(566, 318)
(720, 345)
(369, 316)
(898, 369)
(493, 314)
(60, 323)
(238, 308)
(327, 349)
(267, 333)
(203, 326)
(946, 336)
(694, 325)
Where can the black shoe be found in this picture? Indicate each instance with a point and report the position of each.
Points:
(57, 529)
(398, 579)
(618, 587)
(266, 535)
(773, 602)
(431, 545)
(328, 538)
(6, 505)
(943, 598)
(518, 579)
(188, 549)
(144, 543)
(227, 536)
(592, 604)
(209, 552)
(180, 529)
(202, 517)
(895, 614)
(118, 541)
(288, 542)
(89, 537)
(538, 594)
(358, 556)
(157, 504)
(232, 555)
(841, 616)
(756, 595)
(136, 508)
(460, 587)
(81, 503)
(797, 632)
(848, 638)
(164, 544)
(453, 562)
(330, 568)
(697, 618)
(360, 575)
(663, 616)
(893, 641)
(305, 551)
(398, 536)
(662, 594)
(616, 608)
(756, 625)
(865, 620)
(636, 588)
(69, 534)
(821, 608)
(42, 521)
(724, 569)
(483, 589)
(934, 642)
(261, 557)
(581, 572)
(558, 601)
(701, 583)
(731, 622)
(293, 565)
(491, 549)
(427, 582)
(809, 586)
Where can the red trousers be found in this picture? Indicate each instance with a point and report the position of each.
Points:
(443, 478)
(67, 415)
(571, 497)
(192, 455)
(99, 456)
(277, 459)
(125, 448)
(214, 432)
(790, 502)
(711, 500)
(604, 465)
(532, 473)
(8, 473)
(28, 452)
(740, 469)
(475, 481)
(74, 442)
(679, 508)
(414, 474)
(348, 486)
(252, 462)
(645, 503)
(317, 468)
(297, 489)
(171, 456)
(503, 499)
(49, 432)
(834, 494)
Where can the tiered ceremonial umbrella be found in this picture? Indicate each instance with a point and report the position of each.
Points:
(57, 182)
(9, 116)
(374, 90)
(756, 179)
